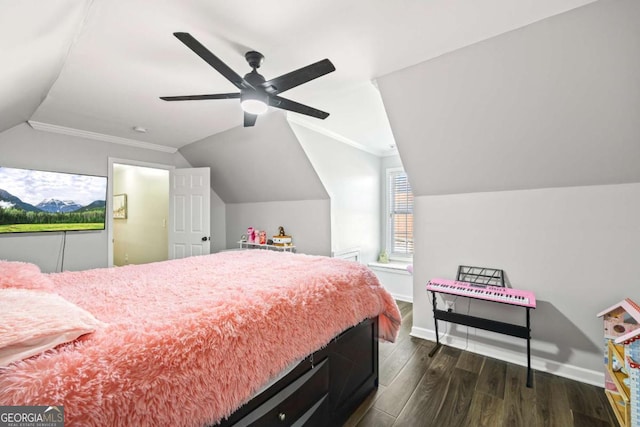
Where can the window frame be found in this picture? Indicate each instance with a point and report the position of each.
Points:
(388, 219)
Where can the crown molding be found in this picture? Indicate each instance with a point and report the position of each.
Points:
(46, 127)
(331, 134)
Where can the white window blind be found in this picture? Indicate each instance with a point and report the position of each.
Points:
(400, 215)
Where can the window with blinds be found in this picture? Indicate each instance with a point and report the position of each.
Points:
(400, 215)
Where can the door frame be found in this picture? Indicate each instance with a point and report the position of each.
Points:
(128, 162)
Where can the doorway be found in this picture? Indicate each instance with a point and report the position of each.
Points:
(140, 205)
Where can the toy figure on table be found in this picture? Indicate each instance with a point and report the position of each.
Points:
(282, 239)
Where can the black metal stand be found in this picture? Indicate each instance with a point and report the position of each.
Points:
(487, 325)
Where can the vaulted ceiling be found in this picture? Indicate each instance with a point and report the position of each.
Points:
(99, 66)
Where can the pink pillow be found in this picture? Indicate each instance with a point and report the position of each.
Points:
(23, 275)
(32, 322)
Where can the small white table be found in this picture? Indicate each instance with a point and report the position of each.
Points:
(248, 245)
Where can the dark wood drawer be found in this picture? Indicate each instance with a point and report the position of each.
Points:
(304, 402)
(316, 416)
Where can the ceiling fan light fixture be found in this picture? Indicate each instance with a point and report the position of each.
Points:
(254, 106)
(254, 102)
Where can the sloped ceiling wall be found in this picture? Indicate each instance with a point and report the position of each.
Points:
(264, 163)
(553, 104)
(549, 111)
(352, 178)
(41, 35)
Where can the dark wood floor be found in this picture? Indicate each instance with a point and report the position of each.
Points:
(458, 388)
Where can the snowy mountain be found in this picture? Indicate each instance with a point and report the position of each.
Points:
(57, 206)
(8, 200)
(98, 204)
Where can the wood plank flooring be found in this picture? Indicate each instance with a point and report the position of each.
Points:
(458, 388)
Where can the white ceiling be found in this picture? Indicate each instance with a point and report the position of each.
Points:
(99, 66)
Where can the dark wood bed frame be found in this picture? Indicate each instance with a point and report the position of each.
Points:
(322, 390)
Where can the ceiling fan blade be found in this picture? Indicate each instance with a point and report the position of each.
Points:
(249, 119)
(287, 104)
(298, 77)
(212, 60)
(200, 97)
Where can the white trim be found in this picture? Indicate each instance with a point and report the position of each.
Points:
(352, 254)
(46, 127)
(391, 267)
(292, 118)
(393, 284)
(399, 297)
(575, 373)
(392, 152)
(112, 161)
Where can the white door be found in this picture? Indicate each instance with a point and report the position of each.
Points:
(189, 194)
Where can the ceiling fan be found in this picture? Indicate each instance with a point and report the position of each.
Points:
(256, 93)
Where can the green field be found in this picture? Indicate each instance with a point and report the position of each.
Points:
(34, 228)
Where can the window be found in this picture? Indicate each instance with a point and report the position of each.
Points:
(399, 215)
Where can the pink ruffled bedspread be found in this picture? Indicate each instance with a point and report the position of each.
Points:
(188, 341)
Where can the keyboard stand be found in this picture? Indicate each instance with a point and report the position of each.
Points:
(487, 325)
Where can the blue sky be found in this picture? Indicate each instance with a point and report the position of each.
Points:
(34, 186)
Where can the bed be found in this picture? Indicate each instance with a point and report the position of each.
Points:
(235, 338)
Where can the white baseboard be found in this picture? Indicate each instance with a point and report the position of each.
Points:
(539, 364)
(405, 298)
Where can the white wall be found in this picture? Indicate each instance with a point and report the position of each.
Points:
(576, 248)
(553, 104)
(24, 147)
(40, 44)
(352, 179)
(218, 218)
(549, 113)
(307, 221)
(395, 279)
(257, 164)
(262, 164)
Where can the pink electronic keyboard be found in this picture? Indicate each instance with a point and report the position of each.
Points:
(488, 293)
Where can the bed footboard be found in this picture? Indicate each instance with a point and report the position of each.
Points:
(324, 389)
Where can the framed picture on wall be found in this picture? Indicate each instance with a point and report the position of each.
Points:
(119, 206)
